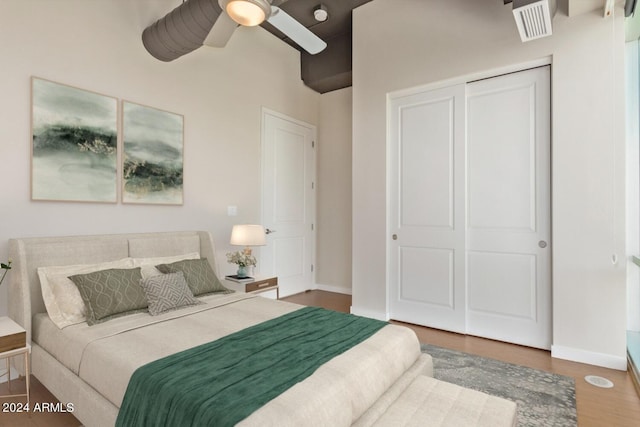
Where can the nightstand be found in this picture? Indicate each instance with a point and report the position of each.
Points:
(13, 343)
(258, 285)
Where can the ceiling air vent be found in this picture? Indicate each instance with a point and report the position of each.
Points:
(533, 18)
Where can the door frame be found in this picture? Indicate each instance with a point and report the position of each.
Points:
(463, 79)
(313, 198)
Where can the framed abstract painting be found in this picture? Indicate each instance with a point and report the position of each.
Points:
(153, 145)
(74, 144)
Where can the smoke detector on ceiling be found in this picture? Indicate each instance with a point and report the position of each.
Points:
(320, 13)
(533, 18)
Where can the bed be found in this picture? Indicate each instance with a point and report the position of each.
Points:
(90, 366)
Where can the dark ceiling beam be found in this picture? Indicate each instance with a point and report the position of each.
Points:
(330, 69)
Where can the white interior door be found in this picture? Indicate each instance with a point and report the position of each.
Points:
(288, 201)
(508, 208)
(427, 236)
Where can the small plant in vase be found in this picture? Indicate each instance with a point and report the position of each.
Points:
(243, 260)
(5, 267)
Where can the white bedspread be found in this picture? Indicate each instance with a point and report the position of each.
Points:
(106, 355)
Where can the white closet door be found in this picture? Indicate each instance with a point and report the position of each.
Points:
(426, 235)
(469, 208)
(508, 208)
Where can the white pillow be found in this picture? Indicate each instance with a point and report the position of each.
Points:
(61, 296)
(148, 265)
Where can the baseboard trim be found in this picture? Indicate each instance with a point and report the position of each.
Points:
(589, 357)
(372, 314)
(333, 288)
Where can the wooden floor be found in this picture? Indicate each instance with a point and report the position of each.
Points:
(597, 407)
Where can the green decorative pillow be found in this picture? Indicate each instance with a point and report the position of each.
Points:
(167, 292)
(198, 274)
(111, 293)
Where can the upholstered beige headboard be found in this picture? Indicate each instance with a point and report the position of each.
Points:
(25, 296)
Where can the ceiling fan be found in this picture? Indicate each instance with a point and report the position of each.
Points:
(250, 13)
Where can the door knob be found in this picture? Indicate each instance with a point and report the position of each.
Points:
(542, 244)
(269, 231)
(394, 237)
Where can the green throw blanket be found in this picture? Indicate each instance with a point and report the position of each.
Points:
(222, 382)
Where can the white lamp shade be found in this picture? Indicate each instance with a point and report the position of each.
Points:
(248, 235)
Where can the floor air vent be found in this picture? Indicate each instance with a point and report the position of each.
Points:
(598, 381)
(533, 18)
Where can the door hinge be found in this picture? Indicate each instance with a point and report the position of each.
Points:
(311, 227)
(313, 185)
(312, 268)
(313, 144)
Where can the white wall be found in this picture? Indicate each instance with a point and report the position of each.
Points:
(96, 45)
(333, 241)
(404, 43)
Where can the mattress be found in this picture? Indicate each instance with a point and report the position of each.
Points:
(106, 355)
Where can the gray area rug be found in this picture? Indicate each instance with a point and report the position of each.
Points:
(543, 398)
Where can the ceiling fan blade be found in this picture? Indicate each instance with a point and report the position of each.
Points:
(296, 31)
(221, 32)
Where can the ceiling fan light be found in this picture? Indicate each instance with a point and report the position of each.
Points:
(248, 12)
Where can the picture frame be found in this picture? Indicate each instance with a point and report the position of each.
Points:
(74, 144)
(152, 155)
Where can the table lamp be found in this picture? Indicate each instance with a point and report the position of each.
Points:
(248, 235)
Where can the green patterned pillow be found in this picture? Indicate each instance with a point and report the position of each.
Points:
(198, 274)
(110, 293)
(167, 292)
